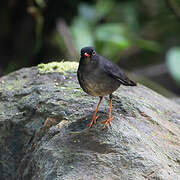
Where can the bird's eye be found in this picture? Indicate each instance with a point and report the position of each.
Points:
(93, 53)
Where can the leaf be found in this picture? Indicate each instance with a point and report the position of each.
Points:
(148, 45)
(113, 33)
(173, 63)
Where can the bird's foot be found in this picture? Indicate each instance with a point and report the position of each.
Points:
(93, 121)
(105, 122)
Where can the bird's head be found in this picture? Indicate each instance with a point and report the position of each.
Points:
(87, 52)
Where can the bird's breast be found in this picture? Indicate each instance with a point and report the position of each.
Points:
(96, 82)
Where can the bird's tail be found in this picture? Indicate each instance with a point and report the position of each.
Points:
(129, 82)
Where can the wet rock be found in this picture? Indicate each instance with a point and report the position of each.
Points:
(44, 134)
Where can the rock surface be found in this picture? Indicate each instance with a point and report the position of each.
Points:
(44, 134)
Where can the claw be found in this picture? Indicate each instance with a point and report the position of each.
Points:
(105, 122)
(93, 121)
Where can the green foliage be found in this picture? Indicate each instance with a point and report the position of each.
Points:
(109, 37)
(148, 45)
(133, 32)
(173, 63)
(113, 33)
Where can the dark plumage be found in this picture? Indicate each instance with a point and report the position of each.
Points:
(99, 77)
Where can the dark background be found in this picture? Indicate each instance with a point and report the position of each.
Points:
(143, 36)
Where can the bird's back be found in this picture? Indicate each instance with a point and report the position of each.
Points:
(115, 71)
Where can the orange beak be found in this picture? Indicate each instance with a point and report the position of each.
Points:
(86, 54)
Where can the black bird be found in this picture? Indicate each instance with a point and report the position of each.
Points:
(99, 77)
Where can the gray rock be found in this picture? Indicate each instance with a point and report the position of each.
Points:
(44, 134)
(176, 99)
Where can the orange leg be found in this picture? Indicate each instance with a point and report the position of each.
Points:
(109, 114)
(93, 121)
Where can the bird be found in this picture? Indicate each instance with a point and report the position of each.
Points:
(98, 76)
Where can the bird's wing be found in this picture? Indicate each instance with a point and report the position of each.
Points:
(116, 72)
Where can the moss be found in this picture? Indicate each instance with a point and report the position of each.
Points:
(61, 67)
